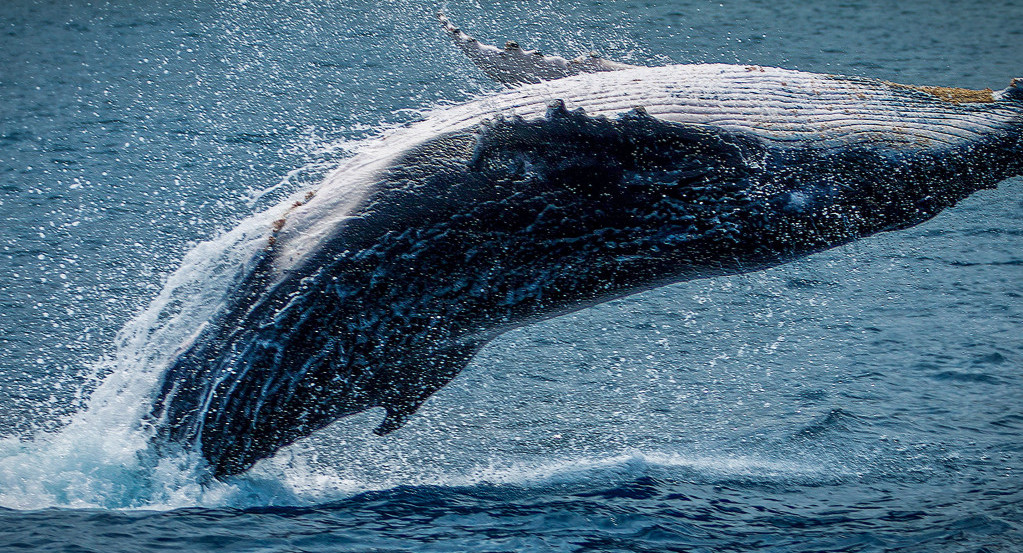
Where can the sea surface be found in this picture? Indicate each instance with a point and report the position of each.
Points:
(869, 398)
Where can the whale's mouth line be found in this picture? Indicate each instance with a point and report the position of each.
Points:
(952, 95)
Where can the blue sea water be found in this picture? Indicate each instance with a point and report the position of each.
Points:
(864, 399)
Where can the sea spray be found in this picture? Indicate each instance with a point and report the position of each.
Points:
(94, 460)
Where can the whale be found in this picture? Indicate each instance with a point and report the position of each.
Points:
(581, 182)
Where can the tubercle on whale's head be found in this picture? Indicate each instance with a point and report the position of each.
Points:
(1014, 92)
(1013, 95)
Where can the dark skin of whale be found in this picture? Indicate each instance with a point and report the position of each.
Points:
(511, 221)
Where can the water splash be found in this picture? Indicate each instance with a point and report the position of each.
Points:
(95, 460)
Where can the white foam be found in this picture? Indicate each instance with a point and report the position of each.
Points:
(294, 481)
(93, 461)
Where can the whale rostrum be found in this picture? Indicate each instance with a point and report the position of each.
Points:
(584, 181)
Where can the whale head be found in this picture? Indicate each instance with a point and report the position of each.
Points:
(648, 201)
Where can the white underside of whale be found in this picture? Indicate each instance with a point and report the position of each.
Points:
(782, 107)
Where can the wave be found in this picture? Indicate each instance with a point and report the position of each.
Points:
(71, 474)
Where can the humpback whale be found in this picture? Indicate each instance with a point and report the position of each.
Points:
(584, 181)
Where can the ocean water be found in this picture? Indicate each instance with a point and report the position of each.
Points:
(864, 399)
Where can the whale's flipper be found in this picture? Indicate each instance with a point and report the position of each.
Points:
(514, 66)
(436, 369)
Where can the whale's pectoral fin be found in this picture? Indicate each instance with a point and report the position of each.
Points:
(513, 66)
(413, 388)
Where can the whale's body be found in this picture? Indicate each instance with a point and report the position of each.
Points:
(548, 198)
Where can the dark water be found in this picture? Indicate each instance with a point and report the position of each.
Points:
(865, 399)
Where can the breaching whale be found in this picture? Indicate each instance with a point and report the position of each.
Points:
(585, 181)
